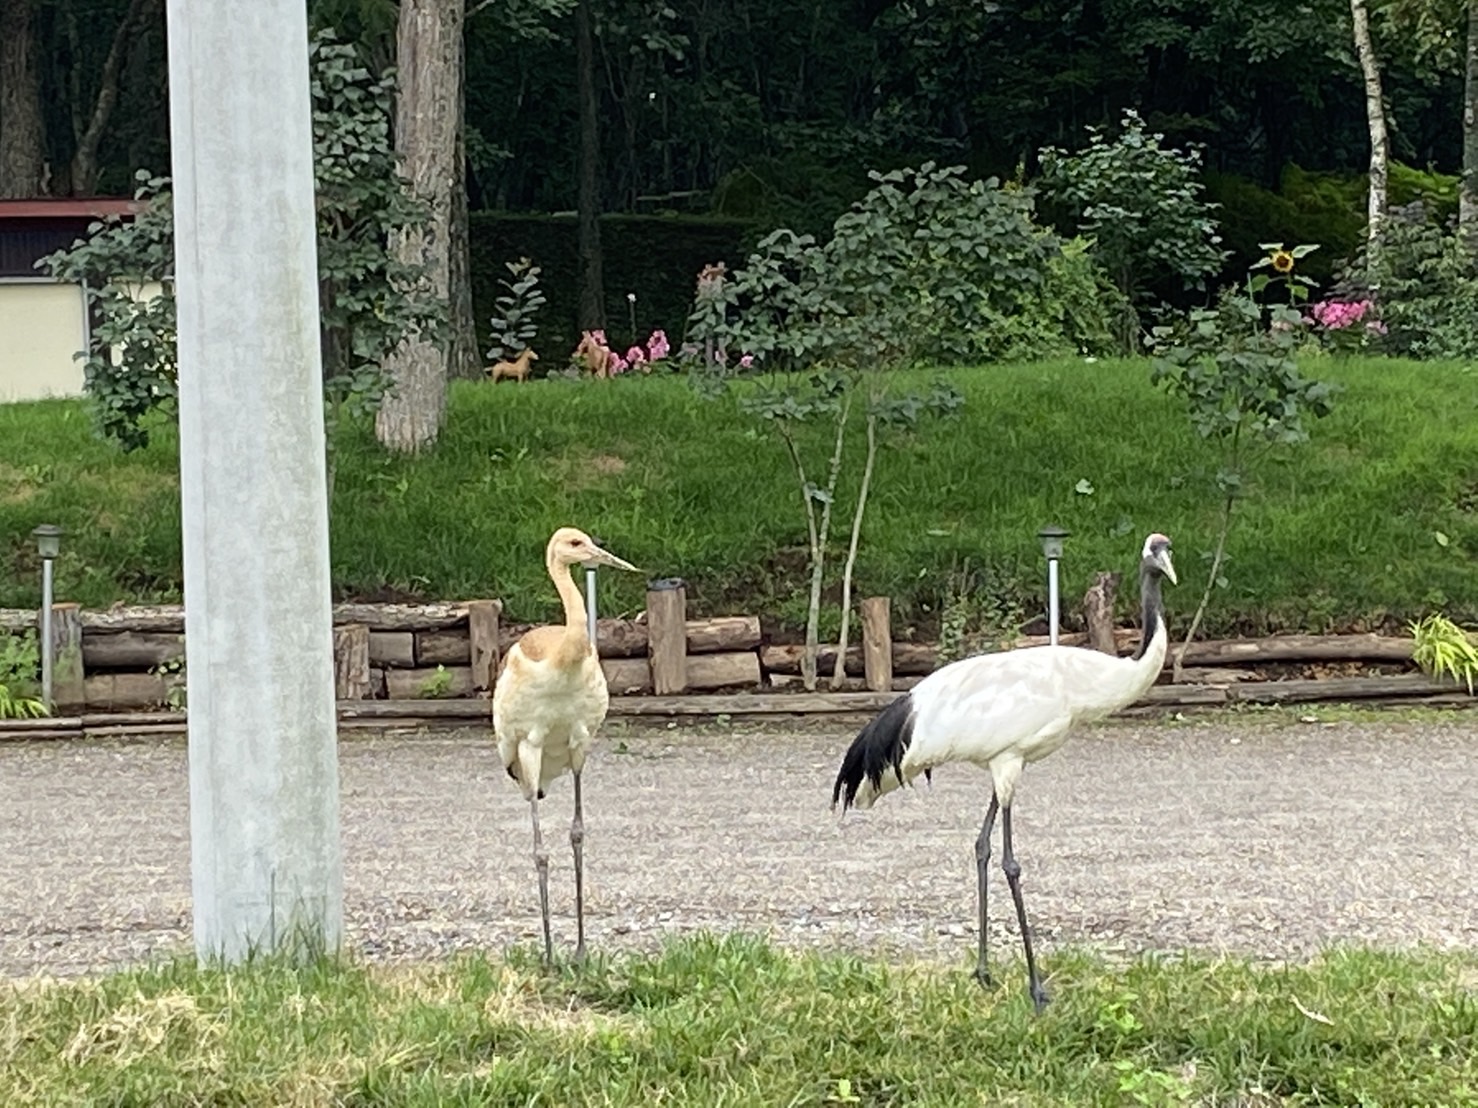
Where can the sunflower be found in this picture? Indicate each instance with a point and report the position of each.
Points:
(1282, 261)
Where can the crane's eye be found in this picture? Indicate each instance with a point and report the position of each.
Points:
(577, 542)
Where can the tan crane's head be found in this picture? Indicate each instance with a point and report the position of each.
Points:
(571, 546)
(1156, 556)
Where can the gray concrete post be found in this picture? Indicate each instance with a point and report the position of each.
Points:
(266, 861)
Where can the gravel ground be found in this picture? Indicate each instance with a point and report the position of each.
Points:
(1265, 839)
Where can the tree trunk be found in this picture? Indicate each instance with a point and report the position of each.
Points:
(22, 131)
(463, 358)
(1468, 197)
(592, 284)
(429, 56)
(84, 158)
(1375, 113)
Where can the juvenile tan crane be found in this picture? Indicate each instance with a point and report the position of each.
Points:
(549, 700)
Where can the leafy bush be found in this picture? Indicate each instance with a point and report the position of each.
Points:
(1140, 202)
(1444, 647)
(514, 329)
(19, 660)
(1427, 287)
(367, 301)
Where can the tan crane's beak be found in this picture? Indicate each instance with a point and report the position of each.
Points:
(1168, 566)
(601, 557)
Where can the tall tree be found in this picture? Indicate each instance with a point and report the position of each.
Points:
(429, 55)
(89, 134)
(462, 354)
(592, 282)
(22, 130)
(1375, 114)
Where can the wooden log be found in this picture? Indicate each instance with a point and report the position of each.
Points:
(393, 649)
(1339, 688)
(403, 617)
(114, 691)
(130, 649)
(429, 684)
(626, 676)
(67, 689)
(16, 621)
(449, 647)
(161, 618)
(667, 643)
(377, 684)
(472, 708)
(723, 634)
(724, 671)
(1301, 648)
(352, 662)
(47, 723)
(621, 638)
(877, 642)
(786, 658)
(751, 703)
(483, 618)
(1098, 612)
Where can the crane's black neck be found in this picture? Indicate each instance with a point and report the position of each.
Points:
(1152, 605)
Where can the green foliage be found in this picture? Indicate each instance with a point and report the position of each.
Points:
(514, 329)
(1444, 647)
(732, 1020)
(652, 256)
(20, 659)
(1235, 368)
(1339, 535)
(1427, 286)
(367, 298)
(1141, 202)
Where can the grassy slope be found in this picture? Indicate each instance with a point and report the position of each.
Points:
(1343, 534)
(733, 1022)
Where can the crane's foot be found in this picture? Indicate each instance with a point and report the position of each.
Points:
(1039, 996)
(982, 976)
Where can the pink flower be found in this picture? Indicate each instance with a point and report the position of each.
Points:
(617, 364)
(635, 356)
(1335, 315)
(599, 336)
(658, 346)
(747, 361)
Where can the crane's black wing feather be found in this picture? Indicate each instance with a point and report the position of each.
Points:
(878, 747)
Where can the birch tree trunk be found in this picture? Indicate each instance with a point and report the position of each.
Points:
(429, 61)
(1468, 196)
(1375, 114)
(22, 132)
(592, 282)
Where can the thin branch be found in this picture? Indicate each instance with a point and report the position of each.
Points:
(840, 670)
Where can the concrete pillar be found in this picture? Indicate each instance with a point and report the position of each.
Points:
(266, 859)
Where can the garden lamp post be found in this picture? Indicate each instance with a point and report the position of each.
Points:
(590, 602)
(49, 542)
(1052, 537)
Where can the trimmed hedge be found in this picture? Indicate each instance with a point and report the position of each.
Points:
(655, 257)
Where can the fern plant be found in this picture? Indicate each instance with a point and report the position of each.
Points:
(19, 660)
(1444, 647)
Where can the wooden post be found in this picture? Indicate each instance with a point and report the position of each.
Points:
(1098, 612)
(877, 643)
(68, 688)
(482, 631)
(667, 635)
(352, 662)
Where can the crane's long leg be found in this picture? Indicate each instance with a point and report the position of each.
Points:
(982, 860)
(530, 761)
(1013, 878)
(577, 844)
(541, 864)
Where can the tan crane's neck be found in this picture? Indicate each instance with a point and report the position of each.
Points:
(569, 594)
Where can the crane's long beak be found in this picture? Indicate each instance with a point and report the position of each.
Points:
(1169, 567)
(600, 557)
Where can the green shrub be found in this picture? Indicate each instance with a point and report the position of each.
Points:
(1426, 286)
(19, 660)
(1142, 203)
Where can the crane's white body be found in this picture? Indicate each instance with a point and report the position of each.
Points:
(546, 712)
(1003, 711)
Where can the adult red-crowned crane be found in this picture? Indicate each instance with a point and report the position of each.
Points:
(549, 700)
(999, 712)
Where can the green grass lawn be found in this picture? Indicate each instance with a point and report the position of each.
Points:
(732, 1021)
(1348, 533)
